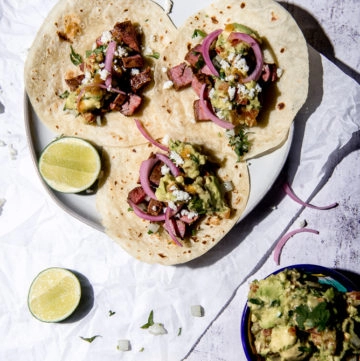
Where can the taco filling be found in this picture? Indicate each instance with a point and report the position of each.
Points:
(228, 73)
(177, 189)
(111, 77)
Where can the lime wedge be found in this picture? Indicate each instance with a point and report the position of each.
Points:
(70, 164)
(54, 294)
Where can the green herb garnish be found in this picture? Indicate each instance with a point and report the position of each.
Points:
(154, 55)
(318, 317)
(64, 95)
(89, 339)
(239, 142)
(111, 313)
(198, 32)
(75, 58)
(150, 321)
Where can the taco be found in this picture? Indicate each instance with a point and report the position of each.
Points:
(170, 204)
(91, 68)
(238, 70)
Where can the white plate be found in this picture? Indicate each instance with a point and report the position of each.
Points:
(263, 170)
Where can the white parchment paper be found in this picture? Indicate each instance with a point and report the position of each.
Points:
(35, 233)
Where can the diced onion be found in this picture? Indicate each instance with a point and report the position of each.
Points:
(123, 345)
(292, 195)
(145, 215)
(257, 52)
(210, 114)
(205, 49)
(147, 136)
(281, 243)
(157, 329)
(197, 311)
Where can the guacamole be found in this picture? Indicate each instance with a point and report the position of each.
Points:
(296, 316)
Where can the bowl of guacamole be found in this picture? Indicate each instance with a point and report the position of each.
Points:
(302, 312)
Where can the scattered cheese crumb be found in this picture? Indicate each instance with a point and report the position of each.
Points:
(197, 311)
(168, 84)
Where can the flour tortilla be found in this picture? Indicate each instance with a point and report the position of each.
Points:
(284, 44)
(131, 232)
(49, 59)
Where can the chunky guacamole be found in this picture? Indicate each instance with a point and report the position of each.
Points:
(297, 316)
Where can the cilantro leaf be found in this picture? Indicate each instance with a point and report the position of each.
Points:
(150, 321)
(89, 339)
(198, 32)
(239, 142)
(75, 58)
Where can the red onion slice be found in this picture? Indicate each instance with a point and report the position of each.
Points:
(205, 49)
(109, 56)
(235, 36)
(169, 227)
(281, 243)
(144, 215)
(145, 170)
(292, 195)
(209, 112)
(147, 136)
(173, 168)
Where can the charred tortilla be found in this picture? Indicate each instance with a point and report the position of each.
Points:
(71, 29)
(283, 44)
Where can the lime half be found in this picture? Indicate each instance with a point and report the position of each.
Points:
(54, 295)
(70, 164)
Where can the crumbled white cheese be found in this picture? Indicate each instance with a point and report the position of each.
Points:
(165, 169)
(279, 72)
(164, 69)
(188, 214)
(302, 223)
(176, 158)
(87, 78)
(258, 88)
(102, 65)
(240, 63)
(106, 37)
(148, 51)
(168, 84)
(165, 140)
(121, 51)
(231, 92)
(224, 64)
(181, 195)
(135, 71)
(103, 74)
(172, 205)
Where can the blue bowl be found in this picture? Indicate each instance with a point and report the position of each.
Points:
(325, 275)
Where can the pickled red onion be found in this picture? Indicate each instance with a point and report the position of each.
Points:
(205, 49)
(147, 136)
(281, 243)
(145, 170)
(169, 227)
(292, 195)
(210, 114)
(109, 56)
(145, 215)
(257, 52)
